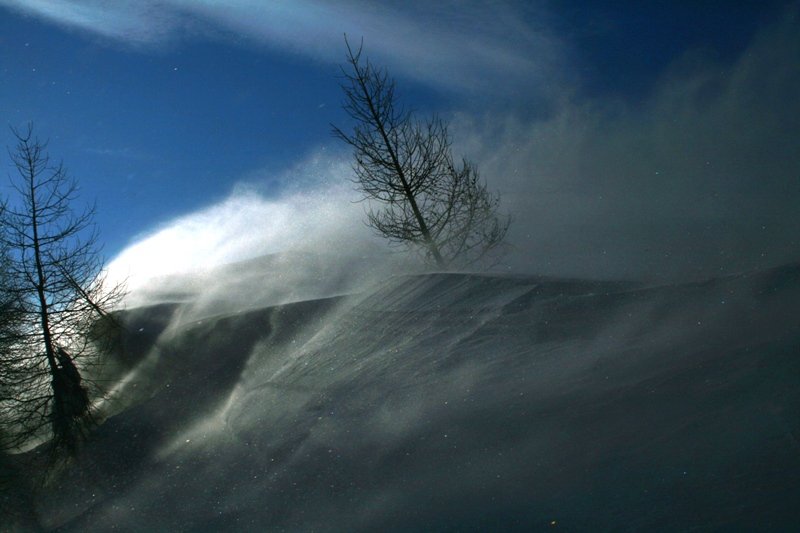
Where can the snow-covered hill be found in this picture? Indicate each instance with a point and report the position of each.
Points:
(450, 402)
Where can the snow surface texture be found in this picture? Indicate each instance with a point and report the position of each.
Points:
(450, 402)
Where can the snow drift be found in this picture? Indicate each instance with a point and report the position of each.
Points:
(451, 402)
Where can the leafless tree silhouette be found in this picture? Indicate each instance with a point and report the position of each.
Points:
(429, 203)
(54, 296)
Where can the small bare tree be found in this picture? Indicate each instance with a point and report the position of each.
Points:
(56, 296)
(430, 203)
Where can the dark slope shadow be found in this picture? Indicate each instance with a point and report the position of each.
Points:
(138, 331)
(696, 435)
(194, 381)
(696, 431)
(16, 496)
(703, 441)
(707, 447)
(141, 328)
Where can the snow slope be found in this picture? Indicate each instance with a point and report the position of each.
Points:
(450, 402)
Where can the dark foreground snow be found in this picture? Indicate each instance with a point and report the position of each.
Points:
(457, 403)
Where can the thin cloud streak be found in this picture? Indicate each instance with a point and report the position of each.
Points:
(134, 23)
(457, 46)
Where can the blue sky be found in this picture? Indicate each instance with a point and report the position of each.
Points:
(181, 115)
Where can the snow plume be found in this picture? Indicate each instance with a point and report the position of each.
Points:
(254, 250)
(698, 179)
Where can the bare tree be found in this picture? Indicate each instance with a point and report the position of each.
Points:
(10, 335)
(430, 203)
(57, 295)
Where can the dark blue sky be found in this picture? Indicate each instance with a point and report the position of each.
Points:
(164, 109)
(152, 132)
(623, 46)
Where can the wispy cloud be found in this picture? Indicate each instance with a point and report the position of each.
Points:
(137, 23)
(457, 45)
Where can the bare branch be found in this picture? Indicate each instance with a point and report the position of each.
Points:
(430, 206)
(52, 295)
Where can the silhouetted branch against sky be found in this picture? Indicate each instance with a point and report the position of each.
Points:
(428, 203)
(57, 282)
